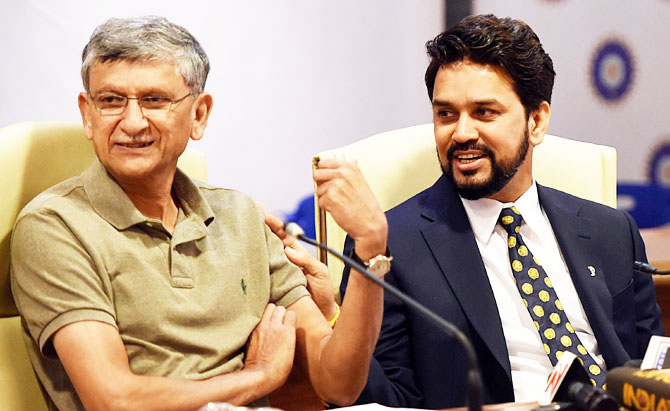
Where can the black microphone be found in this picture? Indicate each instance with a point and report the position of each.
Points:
(473, 380)
(586, 397)
(569, 384)
(648, 268)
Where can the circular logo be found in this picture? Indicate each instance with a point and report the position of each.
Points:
(659, 165)
(612, 70)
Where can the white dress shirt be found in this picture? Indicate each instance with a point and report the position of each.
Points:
(530, 364)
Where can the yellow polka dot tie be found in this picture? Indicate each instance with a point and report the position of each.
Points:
(543, 304)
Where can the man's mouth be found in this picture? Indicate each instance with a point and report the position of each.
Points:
(136, 145)
(469, 158)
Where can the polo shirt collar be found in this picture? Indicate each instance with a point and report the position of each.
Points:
(113, 204)
(484, 212)
(194, 207)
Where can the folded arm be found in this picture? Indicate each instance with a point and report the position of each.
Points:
(96, 362)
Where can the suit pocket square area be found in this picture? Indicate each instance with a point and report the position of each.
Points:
(623, 299)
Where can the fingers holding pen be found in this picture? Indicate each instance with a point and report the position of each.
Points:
(343, 191)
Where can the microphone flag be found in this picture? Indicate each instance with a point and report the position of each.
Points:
(656, 355)
(567, 369)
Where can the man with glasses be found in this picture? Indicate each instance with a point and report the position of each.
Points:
(140, 288)
(111, 104)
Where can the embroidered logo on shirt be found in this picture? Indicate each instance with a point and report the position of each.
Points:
(244, 286)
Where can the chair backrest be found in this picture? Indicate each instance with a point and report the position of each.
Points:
(35, 156)
(401, 163)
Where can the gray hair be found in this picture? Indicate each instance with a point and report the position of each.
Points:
(148, 38)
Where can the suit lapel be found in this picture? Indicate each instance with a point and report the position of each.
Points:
(574, 234)
(449, 236)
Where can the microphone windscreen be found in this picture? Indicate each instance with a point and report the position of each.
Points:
(640, 389)
(293, 229)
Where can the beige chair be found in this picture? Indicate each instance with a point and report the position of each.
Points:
(35, 156)
(401, 163)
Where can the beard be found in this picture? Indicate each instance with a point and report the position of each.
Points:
(501, 171)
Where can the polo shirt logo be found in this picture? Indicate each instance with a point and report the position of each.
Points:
(244, 286)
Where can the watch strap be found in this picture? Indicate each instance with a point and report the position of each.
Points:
(358, 259)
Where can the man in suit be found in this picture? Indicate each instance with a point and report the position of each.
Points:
(562, 274)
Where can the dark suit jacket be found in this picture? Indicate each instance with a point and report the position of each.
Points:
(436, 261)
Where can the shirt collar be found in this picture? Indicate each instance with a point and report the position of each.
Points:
(111, 202)
(484, 212)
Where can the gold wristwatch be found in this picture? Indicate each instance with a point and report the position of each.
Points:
(378, 265)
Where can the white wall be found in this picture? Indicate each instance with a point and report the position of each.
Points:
(289, 78)
(571, 32)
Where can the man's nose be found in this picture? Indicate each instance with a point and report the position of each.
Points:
(465, 130)
(133, 117)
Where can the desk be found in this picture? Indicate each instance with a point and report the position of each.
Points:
(509, 406)
(657, 242)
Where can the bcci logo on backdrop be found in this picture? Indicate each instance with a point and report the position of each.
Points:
(659, 164)
(612, 70)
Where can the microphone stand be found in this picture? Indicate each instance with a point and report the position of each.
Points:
(648, 268)
(473, 380)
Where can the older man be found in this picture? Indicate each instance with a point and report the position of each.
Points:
(143, 289)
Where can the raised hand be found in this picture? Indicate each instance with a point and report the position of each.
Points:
(345, 194)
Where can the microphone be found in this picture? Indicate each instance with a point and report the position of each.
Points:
(589, 398)
(640, 389)
(644, 384)
(648, 268)
(569, 383)
(293, 229)
(473, 379)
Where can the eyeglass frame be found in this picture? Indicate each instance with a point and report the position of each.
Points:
(139, 103)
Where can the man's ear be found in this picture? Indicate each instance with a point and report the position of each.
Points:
(538, 123)
(85, 106)
(201, 109)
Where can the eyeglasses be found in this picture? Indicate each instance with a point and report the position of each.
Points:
(110, 104)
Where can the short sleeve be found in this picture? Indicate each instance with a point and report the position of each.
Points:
(54, 280)
(287, 281)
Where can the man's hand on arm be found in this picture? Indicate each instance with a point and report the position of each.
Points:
(272, 346)
(319, 284)
(96, 362)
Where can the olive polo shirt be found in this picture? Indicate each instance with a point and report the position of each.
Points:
(184, 304)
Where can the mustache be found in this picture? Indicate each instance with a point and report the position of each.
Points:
(472, 145)
(136, 139)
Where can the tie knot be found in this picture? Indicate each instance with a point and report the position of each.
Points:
(510, 218)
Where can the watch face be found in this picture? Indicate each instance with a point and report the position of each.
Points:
(380, 265)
